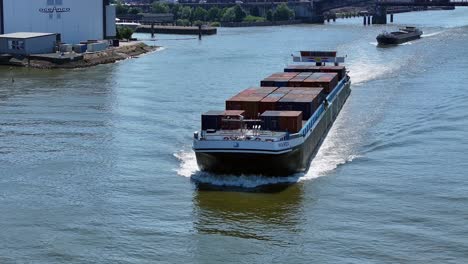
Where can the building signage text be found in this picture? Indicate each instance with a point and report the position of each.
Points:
(54, 9)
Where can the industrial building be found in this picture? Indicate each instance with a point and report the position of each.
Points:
(74, 20)
(26, 43)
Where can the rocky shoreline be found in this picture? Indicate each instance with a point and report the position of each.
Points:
(110, 55)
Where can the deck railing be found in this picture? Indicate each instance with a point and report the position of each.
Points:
(242, 135)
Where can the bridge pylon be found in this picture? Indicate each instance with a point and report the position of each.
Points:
(380, 15)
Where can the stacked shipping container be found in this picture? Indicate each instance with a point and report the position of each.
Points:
(328, 81)
(300, 89)
(305, 101)
(214, 119)
(340, 70)
(303, 79)
(289, 121)
(254, 101)
(278, 79)
(270, 101)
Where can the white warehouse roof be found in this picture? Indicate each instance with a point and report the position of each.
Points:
(25, 35)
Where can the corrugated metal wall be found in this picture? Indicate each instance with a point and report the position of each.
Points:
(76, 20)
(38, 45)
(1, 16)
(111, 31)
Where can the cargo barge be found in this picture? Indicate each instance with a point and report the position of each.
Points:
(398, 37)
(277, 128)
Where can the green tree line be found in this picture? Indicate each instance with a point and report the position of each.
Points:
(185, 15)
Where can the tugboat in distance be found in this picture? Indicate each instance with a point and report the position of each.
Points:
(397, 37)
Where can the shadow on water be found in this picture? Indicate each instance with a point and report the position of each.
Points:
(255, 214)
(386, 46)
(389, 46)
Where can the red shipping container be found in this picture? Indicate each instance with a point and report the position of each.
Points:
(304, 74)
(305, 90)
(283, 90)
(269, 103)
(256, 91)
(291, 121)
(263, 90)
(340, 70)
(296, 81)
(216, 119)
(283, 74)
(327, 81)
(246, 92)
(288, 121)
(249, 104)
(275, 83)
(233, 113)
(278, 79)
(307, 103)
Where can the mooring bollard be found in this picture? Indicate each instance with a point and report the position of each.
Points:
(364, 20)
(199, 32)
(391, 18)
(11, 75)
(368, 20)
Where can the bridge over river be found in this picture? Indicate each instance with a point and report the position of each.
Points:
(381, 6)
(308, 11)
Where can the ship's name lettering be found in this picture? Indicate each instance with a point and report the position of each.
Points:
(283, 144)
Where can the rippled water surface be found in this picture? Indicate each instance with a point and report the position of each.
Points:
(96, 166)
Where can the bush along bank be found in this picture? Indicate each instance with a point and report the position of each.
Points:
(237, 14)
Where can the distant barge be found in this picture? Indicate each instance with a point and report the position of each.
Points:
(275, 129)
(398, 37)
